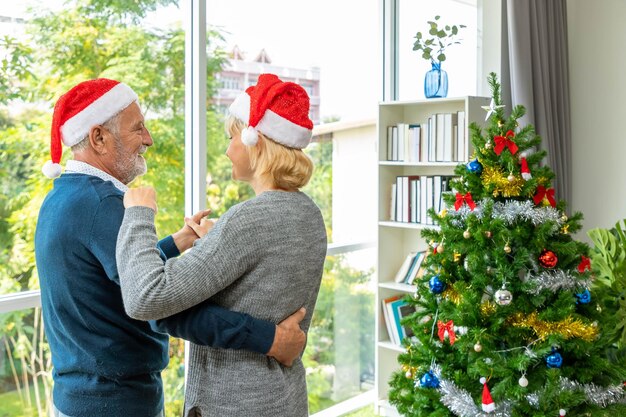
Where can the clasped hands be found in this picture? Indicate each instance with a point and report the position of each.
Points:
(195, 226)
(289, 339)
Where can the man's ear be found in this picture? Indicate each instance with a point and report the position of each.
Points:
(98, 139)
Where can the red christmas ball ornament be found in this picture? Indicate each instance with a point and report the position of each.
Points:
(548, 259)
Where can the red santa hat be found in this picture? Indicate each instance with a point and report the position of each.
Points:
(488, 405)
(278, 109)
(525, 170)
(87, 104)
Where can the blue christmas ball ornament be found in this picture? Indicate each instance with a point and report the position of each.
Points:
(554, 360)
(584, 297)
(436, 285)
(474, 167)
(429, 380)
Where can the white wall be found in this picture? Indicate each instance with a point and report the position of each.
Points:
(597, 55)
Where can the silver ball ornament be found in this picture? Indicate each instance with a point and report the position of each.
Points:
(478, 347)
(466, 234)
(503, 297)
(523, 382)
(511, 178)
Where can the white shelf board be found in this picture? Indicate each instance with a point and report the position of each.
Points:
(391, 346)
(386, 409)
(398, 286)
(420, 164)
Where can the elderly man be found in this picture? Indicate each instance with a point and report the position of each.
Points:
(105, 363)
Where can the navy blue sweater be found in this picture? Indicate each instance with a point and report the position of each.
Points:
(105, 363)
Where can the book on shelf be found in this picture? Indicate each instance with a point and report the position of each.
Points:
(389, 324)
(424, 142)
(392, 207)
(430, 199)
(413, 195)
(404, 268)
(404, 197)
(449, 145)
(389, 143)
(460, 136)
(402, 309)
(432, 136)
(395, 309)
(414, 191)
(440, 137)
(404, 142)
(411, 268)
(399, 200)
(416, 268)
(446, 187)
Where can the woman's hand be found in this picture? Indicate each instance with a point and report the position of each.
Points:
(185, 237)
(202, 227)
(142, 196)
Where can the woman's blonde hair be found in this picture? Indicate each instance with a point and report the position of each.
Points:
(286, 168)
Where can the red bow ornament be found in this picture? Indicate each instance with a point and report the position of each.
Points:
(505, 141)
(446, 330)
(467, 198)
(542, 193)
(584, 265)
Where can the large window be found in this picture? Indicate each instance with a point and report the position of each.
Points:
(404, 69)
(283, 40)
(45, 48)
(56, 44)
(460, 60)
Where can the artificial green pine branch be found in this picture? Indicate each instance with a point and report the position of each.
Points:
(516, 241)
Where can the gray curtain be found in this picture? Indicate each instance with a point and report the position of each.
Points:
(535, 74)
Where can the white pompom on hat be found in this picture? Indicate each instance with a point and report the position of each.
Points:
(278, 109)
(87, 104)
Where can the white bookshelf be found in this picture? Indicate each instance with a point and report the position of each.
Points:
(396, 239)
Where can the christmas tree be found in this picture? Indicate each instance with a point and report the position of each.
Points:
(509, 320)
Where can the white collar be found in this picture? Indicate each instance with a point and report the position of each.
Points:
(79, 167)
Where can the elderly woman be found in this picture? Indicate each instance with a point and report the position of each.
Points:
(263, 257)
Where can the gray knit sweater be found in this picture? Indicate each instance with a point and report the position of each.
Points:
(263, 257)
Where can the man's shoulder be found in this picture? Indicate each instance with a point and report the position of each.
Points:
(78, 195)
(89, 186)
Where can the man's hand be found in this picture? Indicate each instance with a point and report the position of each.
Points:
(200, 227)
(142, 196)
(289, 339)
(185, 237)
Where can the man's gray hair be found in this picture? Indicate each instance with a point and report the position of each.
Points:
(112, 124)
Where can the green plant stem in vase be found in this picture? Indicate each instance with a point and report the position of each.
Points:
(433, 49)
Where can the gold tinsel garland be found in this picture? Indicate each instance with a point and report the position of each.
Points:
(487, 308)
(452, 295)
(494, 177)
(568, 328)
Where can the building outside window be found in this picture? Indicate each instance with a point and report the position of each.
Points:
(344, 93)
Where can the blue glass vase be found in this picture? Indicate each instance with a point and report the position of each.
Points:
(436, 82)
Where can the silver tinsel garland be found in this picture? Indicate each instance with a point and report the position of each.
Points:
(510, 212)
(460, 402)
(600, 396)
(556, 280)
